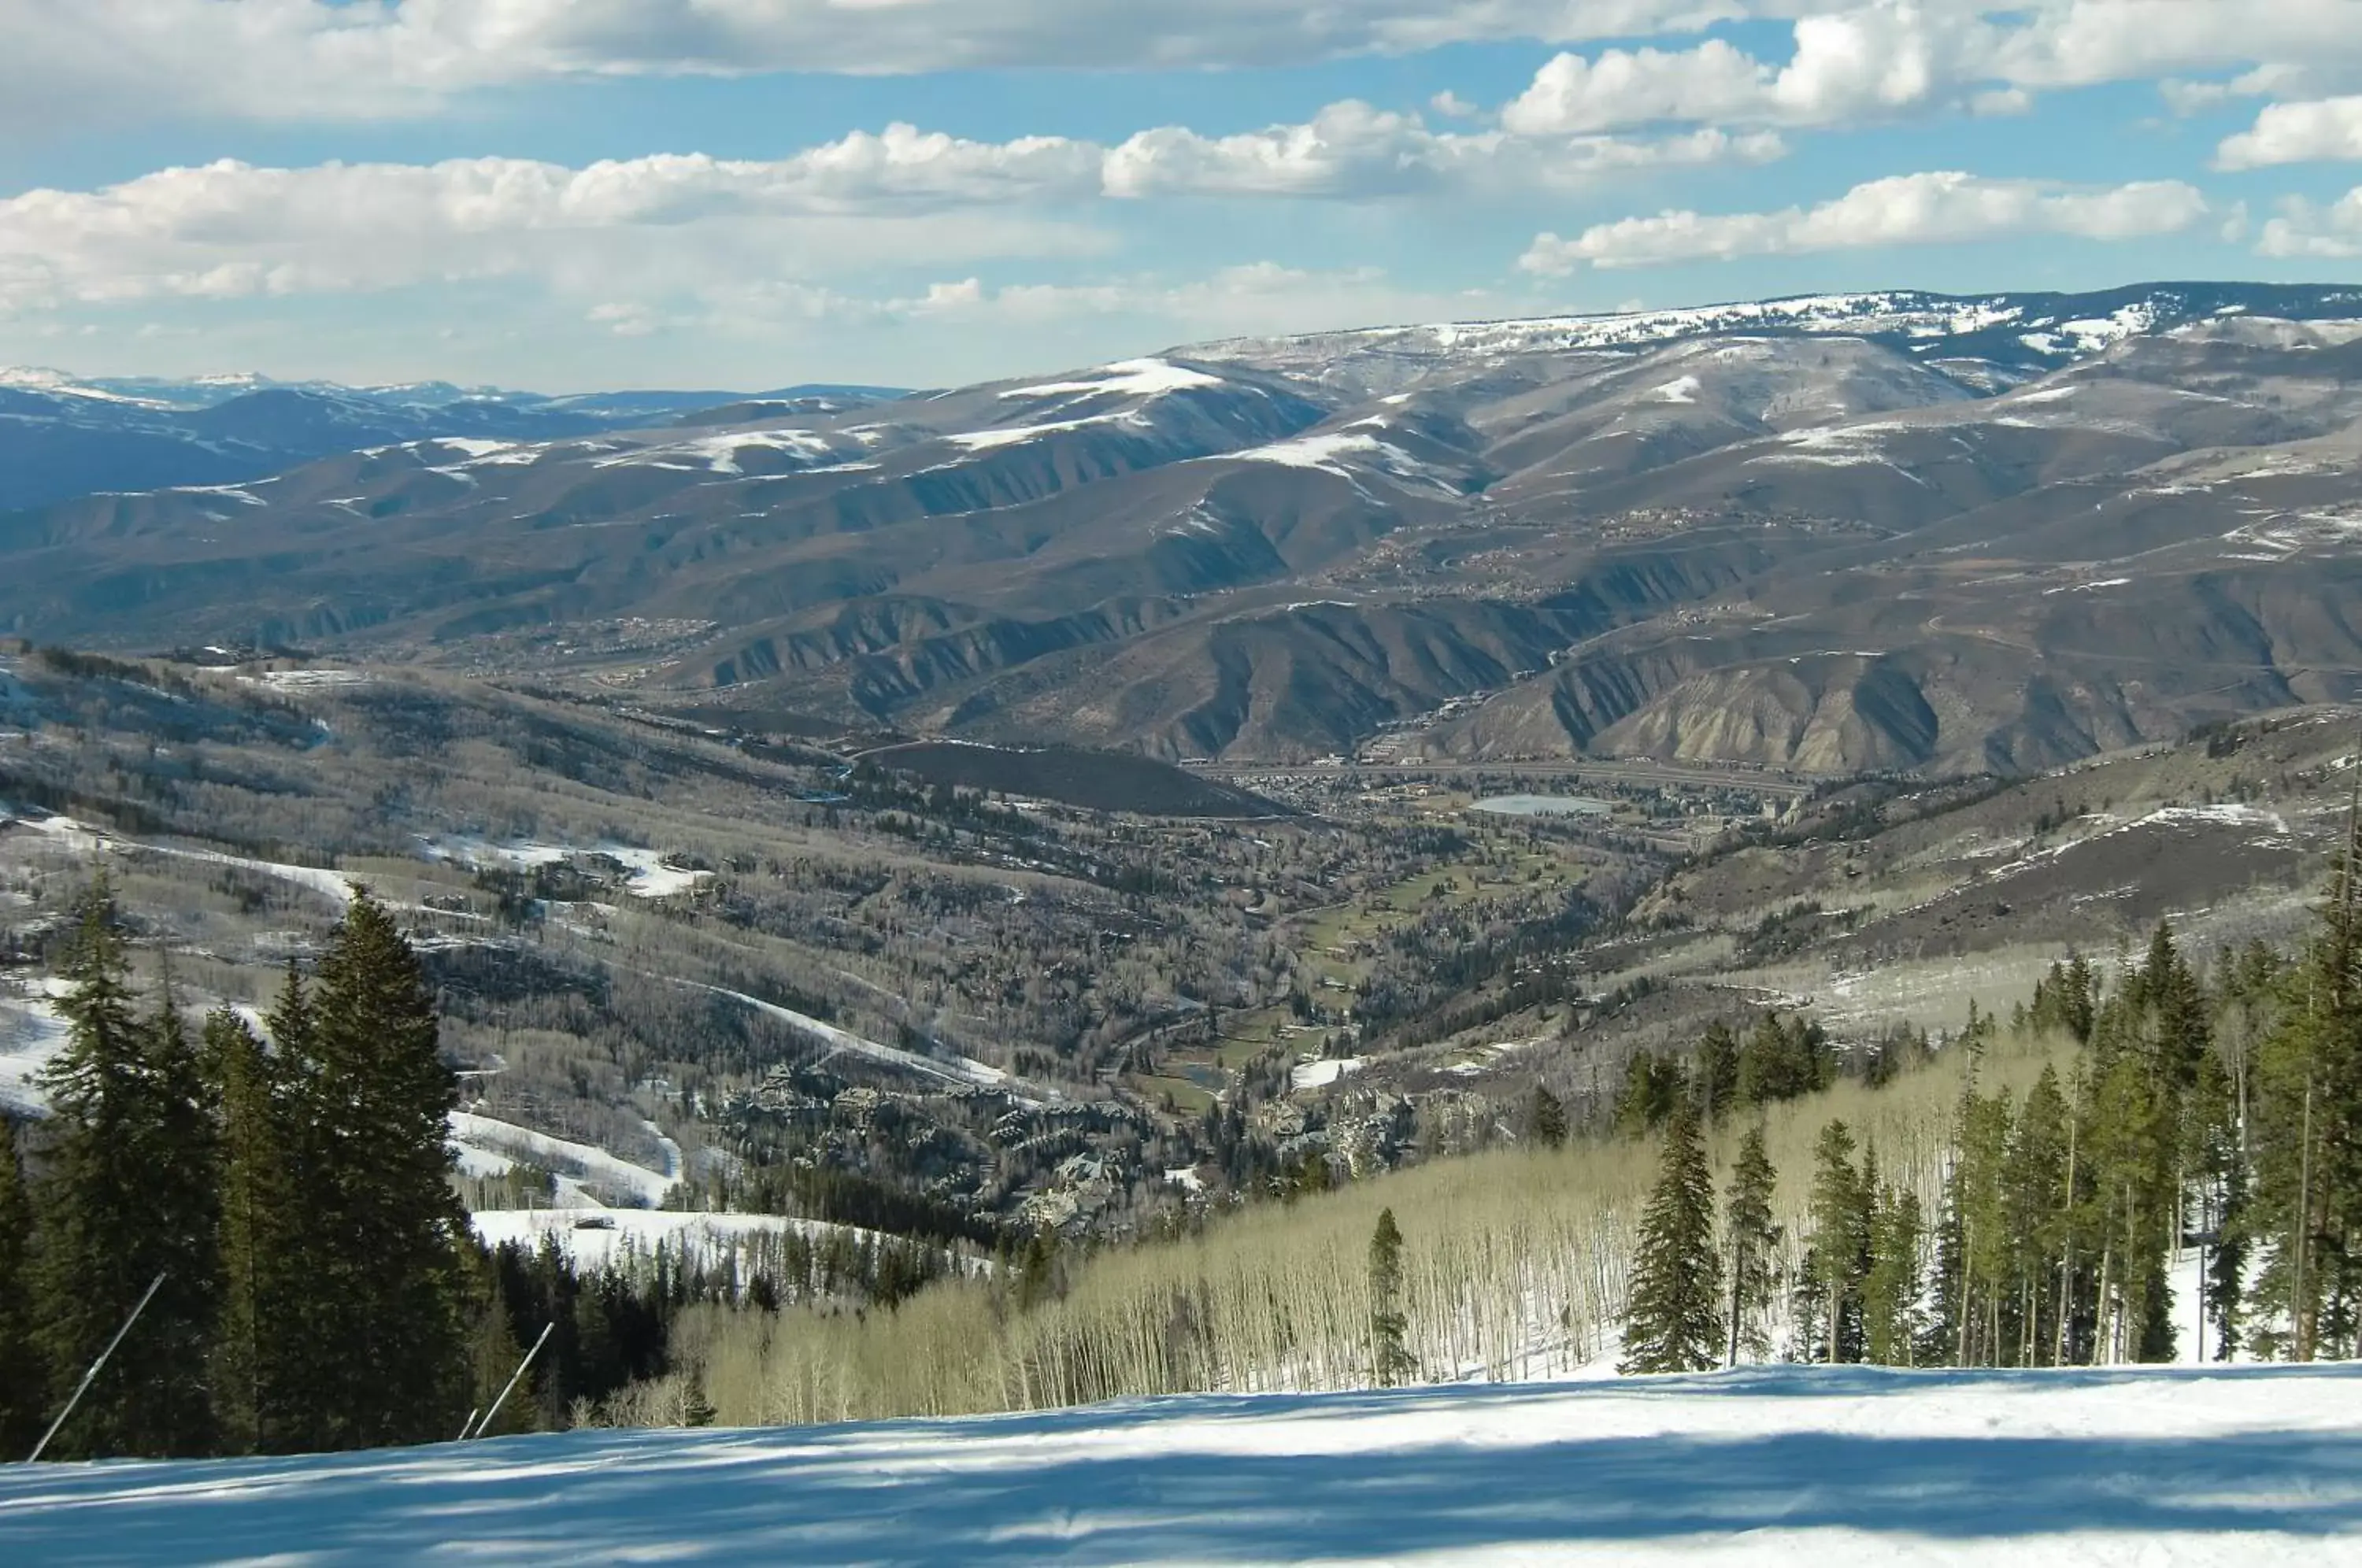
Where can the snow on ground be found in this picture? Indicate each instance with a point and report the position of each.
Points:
(960, 1070)
(30, 1034)
(483, 1141)
(651, 877)
(83, 839)
(1322, 1071)
(641, 1229)
(1836, 1466)
(1130, 378)
(306, 679)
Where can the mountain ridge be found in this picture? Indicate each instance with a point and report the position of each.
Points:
(1880, 530)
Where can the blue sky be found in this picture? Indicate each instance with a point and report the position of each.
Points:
(576, 194)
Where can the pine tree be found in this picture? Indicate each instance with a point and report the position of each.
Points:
(386, 1359)
(1751, 1240)
(1546, 1118)
(493, 1357)
(1718, 1072)
(24, 1390)
(1840, 1238)
(2034, 1218)
(260, 1223)
(1390, 1360)
(1673, 1317)
(1889, 1286)
(126, 1194)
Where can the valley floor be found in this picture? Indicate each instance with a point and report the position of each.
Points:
(1839, 1466)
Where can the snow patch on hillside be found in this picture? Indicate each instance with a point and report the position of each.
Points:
(1127, 377)
(31, 1033)
(1322, 1071)
(482, 1141)
(957, 1070)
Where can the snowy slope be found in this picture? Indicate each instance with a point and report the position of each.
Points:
(30, 1034)
(1835, 1468)
(708, 1235)
(486, 1145)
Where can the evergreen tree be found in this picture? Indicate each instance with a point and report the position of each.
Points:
(1751, 1240)
(1652, 1086)
(1890, 1286)
(492, 1356)
(1546, 1118)
(1718, 1072)
(2034, 1220)
(126, 1194)
(24, 1390)
(1390, 1360)
(388, 1354)
(1673, 1317)
(1833, 1265)
(260, 1223)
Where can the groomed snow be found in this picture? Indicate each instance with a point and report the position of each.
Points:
(1832, 1466)
(708, 1235)
(483, 1139)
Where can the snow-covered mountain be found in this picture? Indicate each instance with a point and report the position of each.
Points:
(2018, 335)
(63, 435)
(1650, 534)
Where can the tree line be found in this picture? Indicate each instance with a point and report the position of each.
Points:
(2220, 1112)
(289, 1197)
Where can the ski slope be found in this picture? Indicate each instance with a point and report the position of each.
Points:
(1834, 1466)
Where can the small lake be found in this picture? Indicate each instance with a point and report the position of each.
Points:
(1543, 806)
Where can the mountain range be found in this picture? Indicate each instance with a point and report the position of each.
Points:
(1890, 531)
(62, 436)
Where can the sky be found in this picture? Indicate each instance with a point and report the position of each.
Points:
(576, 194)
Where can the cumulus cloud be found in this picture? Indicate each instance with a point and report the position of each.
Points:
(231, 229)
(2297, 133)
(330, 60)
(1907, 209)
(2309, 231)
(1353, 150)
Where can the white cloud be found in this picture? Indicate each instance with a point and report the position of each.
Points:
(1256, 298)
(229, 229)
(1353, 150)
(1907, 209)
(2309, 231)
(299, 60)
(2297, 133)
(1871, 62)
(105, 61)
(1852, 62)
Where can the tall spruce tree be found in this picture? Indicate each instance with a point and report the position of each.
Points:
(1673, 1317)
(1833, 1265)
(2305, 1140)
(24, 1389)
(1545, 1118)
(1390, 1358)
(1751, 1240)
(1889, 1286)
(126, 1194)
(385, 1273)
(260, 1221)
